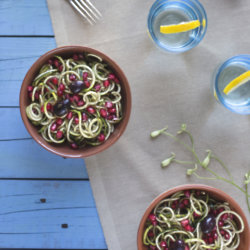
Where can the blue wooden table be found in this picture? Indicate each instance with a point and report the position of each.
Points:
(46, 201)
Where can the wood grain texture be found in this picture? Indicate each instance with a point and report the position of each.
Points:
(24, 17)
(27, 159)
(26, 222)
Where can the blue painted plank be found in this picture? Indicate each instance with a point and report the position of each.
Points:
(12, 126)
(16, 57)
(25, 222)
(24, 47)
(24, 17)
(27, 159)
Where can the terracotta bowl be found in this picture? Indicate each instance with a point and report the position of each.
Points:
(215, 193)
(64, 150)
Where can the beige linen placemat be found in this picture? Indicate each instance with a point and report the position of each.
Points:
(166, 89)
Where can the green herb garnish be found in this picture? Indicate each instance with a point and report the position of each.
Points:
(196, 162)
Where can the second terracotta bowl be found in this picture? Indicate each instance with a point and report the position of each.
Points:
(213, 192)
(64, 150)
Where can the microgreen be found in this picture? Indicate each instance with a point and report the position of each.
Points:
(197, 162)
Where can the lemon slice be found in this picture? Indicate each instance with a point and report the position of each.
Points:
(237, 82)
(181, 27)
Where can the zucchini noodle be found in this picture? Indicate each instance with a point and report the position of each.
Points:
(75, 100)
(195, 221)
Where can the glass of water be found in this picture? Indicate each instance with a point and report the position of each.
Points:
(176, 12)
(231, 84)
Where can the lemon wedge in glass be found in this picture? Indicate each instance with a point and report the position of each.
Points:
(181, 27)
(237, 82)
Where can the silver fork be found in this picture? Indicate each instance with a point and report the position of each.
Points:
(87, 10)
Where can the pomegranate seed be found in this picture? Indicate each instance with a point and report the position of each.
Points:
(42, 109)
(59, 121)
(189, 228)
(108, 104)
(54, 80)
(97, 87)
(75, 57)
(91, 110)
(110, 117)
(222, 209)
(59, 92)
(185, 202)
(152, 217)
(154, 223)
(59, 134)
(106, 83)
(184, 223)
(215, 212)
(85, 75)
(103, 113)
(231, 216)
(30, 95)
(87, 84)
(196, 215)
(37, 95)
(80, 103)
(187, 247)
(50, 61)
(163, 244)
(49, 106)
(76, 98)
(84, 117)
(60, 68)
(222, 232)
(74, 145)
(174, 204)
(227, 236)
(206, 241)
(117, 80)
(198, 192)
(53, 127)
(30, 88)
(112, 110)
(151, 234)
(215, 236)
(72, 77)
(187, 193)
(210, 240)
(181, 206)
(61, 87)
(76, 120)
(69, 115)
(101, 137)
(224, 216)
(111, 77)
(56, 63)
(221, 223)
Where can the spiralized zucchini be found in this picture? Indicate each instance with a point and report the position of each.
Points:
(195, 221)
(76, 100)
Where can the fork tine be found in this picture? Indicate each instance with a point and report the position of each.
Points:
(85, 11)
(94, 11)
(80, 12)
(93, 7)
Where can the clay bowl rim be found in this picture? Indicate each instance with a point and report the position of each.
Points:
(212, 190)
(64, 150)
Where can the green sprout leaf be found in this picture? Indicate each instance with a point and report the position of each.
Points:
(167, 161)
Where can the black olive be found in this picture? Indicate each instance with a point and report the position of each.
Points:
(177, 245)
(66, 103)
(76, 86)
(60, 109)
(208, 224)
